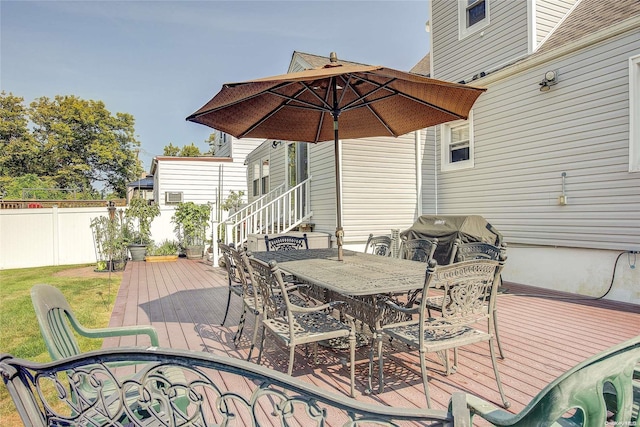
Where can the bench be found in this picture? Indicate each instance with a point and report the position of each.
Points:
(99, 388)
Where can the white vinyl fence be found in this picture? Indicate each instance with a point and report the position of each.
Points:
(58, 236)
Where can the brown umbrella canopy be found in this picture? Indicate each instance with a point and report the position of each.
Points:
(307, 106)
(369, 101)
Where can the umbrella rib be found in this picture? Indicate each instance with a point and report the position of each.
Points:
(306, 105)
(393, 92)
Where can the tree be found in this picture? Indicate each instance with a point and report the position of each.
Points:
(74, 142)
(171, 150)
(190, 151)
(186, 151)
(213, 141)
(19, 153)
(83, 144)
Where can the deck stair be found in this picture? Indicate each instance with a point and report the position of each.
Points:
(279, 211)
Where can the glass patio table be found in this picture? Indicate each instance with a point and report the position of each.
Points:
(360, 279)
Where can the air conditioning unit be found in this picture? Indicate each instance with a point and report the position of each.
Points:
(173, 197)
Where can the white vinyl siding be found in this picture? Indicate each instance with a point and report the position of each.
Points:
(198, 180)
(378, 186)
(634, 114)
(525, 139)
(503, 40)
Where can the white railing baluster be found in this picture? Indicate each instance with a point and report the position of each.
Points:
(274, 213)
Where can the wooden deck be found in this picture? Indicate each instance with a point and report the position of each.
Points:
(542, 335)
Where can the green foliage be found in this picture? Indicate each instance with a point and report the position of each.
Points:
(191, 222)
(186, 151)
(109, 239)
(171, 150)
(138, 217)
(75, 142)
(233, 201)
(213, 142)
(190, 151)
(166, 247)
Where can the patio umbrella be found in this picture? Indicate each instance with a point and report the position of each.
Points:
(307, 106)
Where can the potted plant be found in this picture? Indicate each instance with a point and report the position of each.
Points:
(139, 215)
(109, 243)
(192, 221)
(167, 250)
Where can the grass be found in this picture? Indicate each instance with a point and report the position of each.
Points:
(91, 298)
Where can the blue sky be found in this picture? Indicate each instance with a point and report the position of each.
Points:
(162, 60)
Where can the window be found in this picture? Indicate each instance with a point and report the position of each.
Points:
(473, 15)
(265, 176)
(457, 145)
(260, 178)
(634, 114)
(256, 179)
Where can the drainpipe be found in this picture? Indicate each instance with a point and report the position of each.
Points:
(417, 136)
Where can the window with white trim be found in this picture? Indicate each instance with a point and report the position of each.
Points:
(634, 114)
(260, 178)
(456, 149)
(473, 15)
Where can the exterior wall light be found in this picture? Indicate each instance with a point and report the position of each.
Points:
(550, 79)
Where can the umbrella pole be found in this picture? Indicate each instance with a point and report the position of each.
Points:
(336, 147)
(339, 230)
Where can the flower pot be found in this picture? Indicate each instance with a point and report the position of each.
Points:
(137, 252)
(160, 258)
(194, 252)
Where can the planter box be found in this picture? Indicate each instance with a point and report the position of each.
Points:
(160, 258)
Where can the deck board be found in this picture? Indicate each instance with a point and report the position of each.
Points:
(543, 333)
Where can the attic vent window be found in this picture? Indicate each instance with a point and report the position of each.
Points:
(172, 197)
(473, 15)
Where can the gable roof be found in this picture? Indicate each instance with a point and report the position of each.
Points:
(423, 67)
(316, 61)
(588, 17)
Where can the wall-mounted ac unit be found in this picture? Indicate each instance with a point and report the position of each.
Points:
(173, 197)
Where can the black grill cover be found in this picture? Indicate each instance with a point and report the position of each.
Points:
(447, 228)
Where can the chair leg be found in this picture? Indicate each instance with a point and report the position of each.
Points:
(497, 335)
(264, 333)
(372, 347)
(425, 377)
(505, 402)
(255, 333)
(238, 334)
(380, 365)
(226, 311)
(292, 355)
(352, 359)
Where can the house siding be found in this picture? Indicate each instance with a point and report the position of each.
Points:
(525, 139)
(502, 41)
(378, 186)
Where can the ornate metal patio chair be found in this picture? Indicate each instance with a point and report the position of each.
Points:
(233, 275)
(286, 243)
(466, 286)
(600, 391)
(251, 301)
(378, 245)
(476, 250)
(296, 324)
(56, 320)
(418, 249)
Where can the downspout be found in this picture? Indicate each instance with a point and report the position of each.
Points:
(417, 134)
(435, 170)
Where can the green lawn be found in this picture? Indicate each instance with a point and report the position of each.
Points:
(91, 299)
